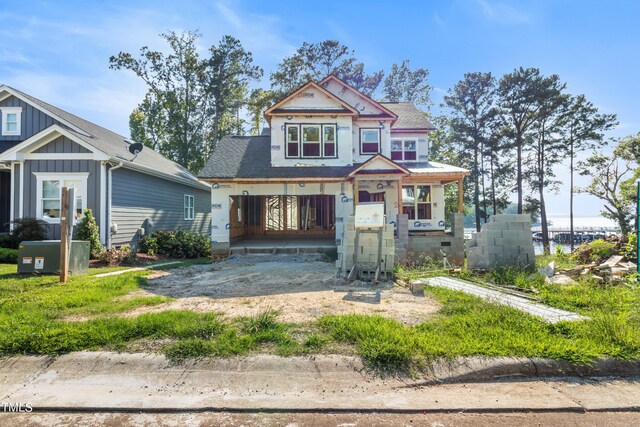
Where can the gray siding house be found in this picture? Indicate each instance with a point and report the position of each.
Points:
(43, 148)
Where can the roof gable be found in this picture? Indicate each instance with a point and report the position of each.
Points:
(359, 101)
(379, 164)
(310, 98)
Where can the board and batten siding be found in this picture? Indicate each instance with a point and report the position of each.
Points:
(30, 190)
(137, 197)
(32, 122)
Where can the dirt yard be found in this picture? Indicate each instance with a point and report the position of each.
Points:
(302, 288)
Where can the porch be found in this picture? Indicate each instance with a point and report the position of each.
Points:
(289, 244)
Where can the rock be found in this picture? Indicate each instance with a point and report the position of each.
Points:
(549, 270)
(619, 271)
(613, 261)
(562, 279)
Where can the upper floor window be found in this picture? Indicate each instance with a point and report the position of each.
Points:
(11, 121)
(369, 141)
(403, 150)
(311, 141)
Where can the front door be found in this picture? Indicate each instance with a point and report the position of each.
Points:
(5, 200)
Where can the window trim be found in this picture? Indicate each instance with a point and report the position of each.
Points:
(301, 143)
(416, 202)
(319, 143)
(12, 110)
(403, 151)
(363, 153)
(83, 177)
(188, 207)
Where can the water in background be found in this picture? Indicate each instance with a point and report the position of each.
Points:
(563, 222)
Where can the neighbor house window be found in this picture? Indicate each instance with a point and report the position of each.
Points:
(189, 210)
(416, 201)
(311, 141)
(369, 141)
(293, 141)
(49, 194)
(11, 121)
(403, 150)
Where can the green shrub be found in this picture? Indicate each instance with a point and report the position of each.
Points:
(176, 244)
(601, 249)
(117, 256)
(88, 230)
(149, 245)
(25, 229)
(630, 249)
(8, 256)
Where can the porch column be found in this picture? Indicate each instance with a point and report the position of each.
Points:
(356, 191)
(399, 196)
(460, 196)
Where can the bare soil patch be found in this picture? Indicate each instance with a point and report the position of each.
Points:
(301, 287)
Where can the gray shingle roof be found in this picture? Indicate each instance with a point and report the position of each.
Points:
(111, 143)
(250, 157)
(409, 117)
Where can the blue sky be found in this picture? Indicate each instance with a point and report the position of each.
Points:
(59, 50)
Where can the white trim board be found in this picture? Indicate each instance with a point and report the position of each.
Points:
(59, 176)
(42, 138)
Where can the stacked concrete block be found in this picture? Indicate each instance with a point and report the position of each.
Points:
(402, 239)
(435, 244)
(506, 240)
(367, 248)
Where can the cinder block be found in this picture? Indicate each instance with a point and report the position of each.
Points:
(495, 226)
(493, 234)
(515, 225)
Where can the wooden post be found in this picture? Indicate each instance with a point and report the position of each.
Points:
(460, 196)
(64, 252)
(356, 192)
(400, 196)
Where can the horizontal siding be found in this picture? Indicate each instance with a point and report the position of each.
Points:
(33, 120)
(137, 197)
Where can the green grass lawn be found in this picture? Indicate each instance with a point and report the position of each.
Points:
(34, 313)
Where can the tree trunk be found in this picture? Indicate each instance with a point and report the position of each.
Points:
(476, 189)
(519, 171)
(493, 188)
(571, 236)
(484, 195)
(543, 209)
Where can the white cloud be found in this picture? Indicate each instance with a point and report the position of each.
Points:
(502, 13)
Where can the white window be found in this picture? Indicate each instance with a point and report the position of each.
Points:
(416, 201)
(369, 141)
(49, 194)
(311, 141)
(403, 150)
(293, 141)
(329, 141)
(11, 121)
(189, 210)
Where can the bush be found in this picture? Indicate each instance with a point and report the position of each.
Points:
(176, 244)
(117, 256)
(601, 249)
(8, 256)
(630, 249)
(87, 229)
(25, 229)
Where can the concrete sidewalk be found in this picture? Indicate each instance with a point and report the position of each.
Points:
(112, 382)
(550, 314)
